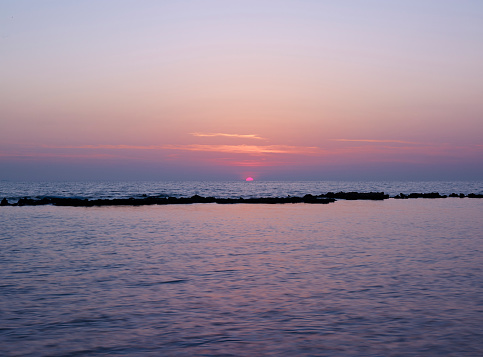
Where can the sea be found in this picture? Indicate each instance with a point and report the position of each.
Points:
(397, 277)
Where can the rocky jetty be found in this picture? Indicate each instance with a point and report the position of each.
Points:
(357, 195)
(76, 202)
(461, 195)
(421, 195)
(147, 200)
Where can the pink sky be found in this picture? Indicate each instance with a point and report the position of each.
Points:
(224, 90)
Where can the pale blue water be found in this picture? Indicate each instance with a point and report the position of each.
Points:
(351, 278)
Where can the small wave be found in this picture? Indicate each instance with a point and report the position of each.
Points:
(147, 283)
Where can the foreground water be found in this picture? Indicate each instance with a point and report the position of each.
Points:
(352, 278)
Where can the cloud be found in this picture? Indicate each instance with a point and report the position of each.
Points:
(230, 149)
(378, 141)
(115, 147)
(34, 155)
(242, 136)
(253, 155)
(248, 149)
(233, 149)
(248, 163)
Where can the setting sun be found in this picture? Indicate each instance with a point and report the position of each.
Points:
(249, 179)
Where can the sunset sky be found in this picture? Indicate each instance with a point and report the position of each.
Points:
(275, 90)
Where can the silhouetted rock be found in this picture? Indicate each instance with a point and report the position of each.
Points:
(421, 195)
(148, 200)
(276, 200)
(199, 199)
(356, 195)
(26, 202)
(461, 195)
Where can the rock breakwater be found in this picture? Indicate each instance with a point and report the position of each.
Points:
(311, 199)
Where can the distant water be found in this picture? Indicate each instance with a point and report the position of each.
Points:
(351, 278)
(233, 189)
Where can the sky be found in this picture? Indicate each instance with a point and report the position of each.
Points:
(223, 90)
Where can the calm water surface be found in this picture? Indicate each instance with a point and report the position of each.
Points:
(221, 189)
(352, 278)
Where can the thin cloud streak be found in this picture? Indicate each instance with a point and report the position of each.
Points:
(242, 136)
(234, 149)
(33, 155)
(247, 163)
(378, 141)
(385, 150)
(115, 147)
(248, 149)
(252, 155)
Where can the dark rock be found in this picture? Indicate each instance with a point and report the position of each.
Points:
(26, 202)
(426, 195)
(356, 195)
(199, 199)
(275, 200)
(157, 200)
(420, 195)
